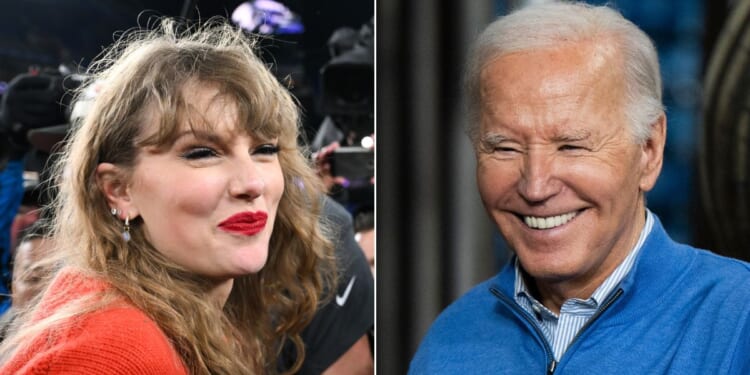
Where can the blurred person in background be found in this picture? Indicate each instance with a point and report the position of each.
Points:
(29, 264)
(339, 339)
(11, 194)
(187, 219)
(568, 127)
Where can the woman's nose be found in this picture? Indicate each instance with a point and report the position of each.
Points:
(247, 182)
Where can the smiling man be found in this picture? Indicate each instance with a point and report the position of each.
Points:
(568, 126)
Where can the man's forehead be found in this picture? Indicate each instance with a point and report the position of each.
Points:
(582, 60)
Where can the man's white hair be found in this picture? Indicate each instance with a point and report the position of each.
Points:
(546, 26)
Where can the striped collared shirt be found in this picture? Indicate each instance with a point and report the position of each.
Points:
(574, 313)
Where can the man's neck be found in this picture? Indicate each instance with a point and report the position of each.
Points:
(553, 293)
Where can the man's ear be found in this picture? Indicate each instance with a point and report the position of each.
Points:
(112, 182)
(653, 153)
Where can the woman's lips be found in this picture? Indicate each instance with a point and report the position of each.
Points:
(246, 223)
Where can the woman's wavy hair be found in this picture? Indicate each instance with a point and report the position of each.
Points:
(140, 82)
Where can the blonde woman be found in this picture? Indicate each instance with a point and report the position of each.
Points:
(187, 220)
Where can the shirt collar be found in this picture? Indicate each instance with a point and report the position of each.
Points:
(609, 284)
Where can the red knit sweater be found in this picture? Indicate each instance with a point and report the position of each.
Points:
(120, 339)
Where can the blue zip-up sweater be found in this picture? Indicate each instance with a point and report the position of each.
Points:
(680, 310)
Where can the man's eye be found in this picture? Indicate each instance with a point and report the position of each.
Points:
(570, 148)
(267, 149)
(504, 149)
(199, 153)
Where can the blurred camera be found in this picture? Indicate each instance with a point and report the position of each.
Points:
(348, 80)
(353, 163)
(32, 101)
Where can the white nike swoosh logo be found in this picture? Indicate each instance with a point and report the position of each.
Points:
(341, 299)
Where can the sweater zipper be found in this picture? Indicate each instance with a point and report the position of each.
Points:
(547, 350)
(549, 357)
(596, 315)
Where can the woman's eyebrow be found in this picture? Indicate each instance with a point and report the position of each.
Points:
(202, 135)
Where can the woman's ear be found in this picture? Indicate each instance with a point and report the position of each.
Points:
(112, 182)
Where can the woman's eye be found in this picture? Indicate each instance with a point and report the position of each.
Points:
(199, 153)
(267, 149)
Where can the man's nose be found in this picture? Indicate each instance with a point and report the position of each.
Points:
(538, 181)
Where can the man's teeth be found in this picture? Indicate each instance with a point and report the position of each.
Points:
(548, 222)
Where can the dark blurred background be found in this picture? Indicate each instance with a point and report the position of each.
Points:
(434, 238)
(47, 33)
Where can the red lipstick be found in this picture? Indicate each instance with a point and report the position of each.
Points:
(246, 223)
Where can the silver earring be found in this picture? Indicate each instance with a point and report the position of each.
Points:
(126, 229)
(114, 211)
